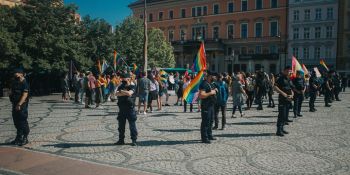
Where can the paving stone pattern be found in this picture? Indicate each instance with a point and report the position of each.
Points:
(318, 143)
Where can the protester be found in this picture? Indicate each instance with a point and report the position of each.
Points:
(238, 94)
(270, 91)
(187, 82)
(249, 88)
(143, 87)
(221, 104)
(179, 91)
(65, 87)
(153, 93)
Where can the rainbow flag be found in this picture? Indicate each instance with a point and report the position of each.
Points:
(193, 87)
(134, 67)
(324, 65)
(115, 60)
(200, 62)
(296, 67)
(305, 69)
(99, 66)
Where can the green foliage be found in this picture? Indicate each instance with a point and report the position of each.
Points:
(129, 41)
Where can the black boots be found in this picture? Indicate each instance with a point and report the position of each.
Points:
(20, 140)
(16, 141)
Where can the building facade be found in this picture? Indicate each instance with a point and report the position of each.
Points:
(343, 57)
(313, 26)
(240, 35)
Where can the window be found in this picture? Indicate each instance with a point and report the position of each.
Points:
(258, 4)
(193, 12)
(317, 53)
(230, 7)
(329, 13)
(258, 50)
(306, 33)
(296, 15)
(273, 28)
(230, 31)
(307, 14)
(171, 14)
(183, 34)
(273, 49)
(296, 52)
(244, 30)
(258, 29)
(216, 32)
(317, 32)
(295, 33)
(306, 53)
(199, 11)
(205, 10)
(198, 33)
(244, 5)
(150, 17)
(216, 9)
(183, 13)
(329, 31)
(328, 52)
(160, 16)
(171, 35)
(318, 14)
(274, 4)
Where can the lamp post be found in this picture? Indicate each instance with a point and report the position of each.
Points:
(145, 38)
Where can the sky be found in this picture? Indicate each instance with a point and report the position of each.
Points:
(113, 11)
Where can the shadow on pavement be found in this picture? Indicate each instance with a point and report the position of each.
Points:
(263, 116)
(252, 123)
(159, 142)
(246, 135)
(162, 115)
(75, 145)
(176, 130)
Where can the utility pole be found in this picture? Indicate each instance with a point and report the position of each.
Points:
(145, 39)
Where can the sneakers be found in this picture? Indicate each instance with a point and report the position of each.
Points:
(242, 114)
(145, 113)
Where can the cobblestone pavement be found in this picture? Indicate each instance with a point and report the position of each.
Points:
(318, 143)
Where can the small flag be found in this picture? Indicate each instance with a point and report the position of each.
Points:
(305, 69)
(115, 60)
(296, 67)
(135, 67)
(318, 74)
(99, 66)
(324, 64)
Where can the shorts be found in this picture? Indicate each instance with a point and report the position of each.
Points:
(143, 97)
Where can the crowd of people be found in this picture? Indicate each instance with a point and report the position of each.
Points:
(246, 90)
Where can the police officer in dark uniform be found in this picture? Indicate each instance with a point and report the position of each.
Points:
(126, 104)
(19, 98)
(313, 91)
(337, 86)
(299, 90)
(283, 87)
(327, 87)
(207, 93)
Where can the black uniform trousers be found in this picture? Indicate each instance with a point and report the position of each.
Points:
(298, 101)
(283, 112)
(216, 116)
(20, 119)
(312, 100)
(130, 115)
(327, 96)
(207, 114)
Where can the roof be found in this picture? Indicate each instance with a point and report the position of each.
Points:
(141, 2)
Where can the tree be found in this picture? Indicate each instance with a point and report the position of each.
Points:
(129, 37)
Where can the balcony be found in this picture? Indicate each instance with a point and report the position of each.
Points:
(256, 39)
(187, 45)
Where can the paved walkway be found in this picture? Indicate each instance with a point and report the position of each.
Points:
(318, 143)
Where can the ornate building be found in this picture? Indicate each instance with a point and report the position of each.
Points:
(343, 54)
(240, 35)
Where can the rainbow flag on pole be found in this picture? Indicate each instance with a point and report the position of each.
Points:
(99, 66)
(115, 60)
(193, 87)
(296, 67)
(324, 64)
(200, 62)
(199, 65)
(305, 69)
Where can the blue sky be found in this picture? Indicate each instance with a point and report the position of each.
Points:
(113, 11)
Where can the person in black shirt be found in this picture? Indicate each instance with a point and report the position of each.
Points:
(207, 93)
(337, 86)
(299, 90)
(282, 86)
(260, 89)
(313, 91)
(126, 104)
(344, 83)
(19, 99)
(327, 87)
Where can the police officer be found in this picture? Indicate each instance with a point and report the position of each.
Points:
(299, 90)
(19, 98)
(327, 87)
(126, 104)
(207, 93)
(283, 88)
(313, 91)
